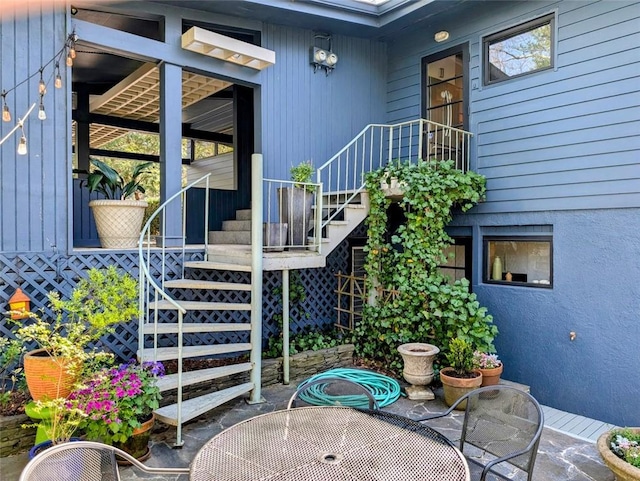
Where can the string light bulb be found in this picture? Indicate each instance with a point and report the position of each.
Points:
(58, 81)
(69, 61)
(42, 87)
(6, 113)
(22, 145)
(42, 115)
(72, 51)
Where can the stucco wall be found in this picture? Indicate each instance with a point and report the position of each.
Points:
(596, 287)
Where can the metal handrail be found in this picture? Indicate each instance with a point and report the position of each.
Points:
(343, 175)
(147, 282)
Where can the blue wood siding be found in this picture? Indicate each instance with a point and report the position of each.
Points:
(560, 139)
(34, 188)
(307, 115)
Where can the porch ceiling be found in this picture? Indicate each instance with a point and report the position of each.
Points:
(137, 97)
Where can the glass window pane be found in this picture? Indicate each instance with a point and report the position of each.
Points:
(522, 261)
(519, 51)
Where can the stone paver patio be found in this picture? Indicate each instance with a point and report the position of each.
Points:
(560, 456)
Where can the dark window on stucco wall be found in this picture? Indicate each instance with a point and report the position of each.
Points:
(524, 261)
(520, 50)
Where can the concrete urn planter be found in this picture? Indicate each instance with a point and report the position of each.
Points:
(418, 368)
(622, 470)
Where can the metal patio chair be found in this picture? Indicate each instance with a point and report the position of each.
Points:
(501, 421)
(320, 393)
(84, 461)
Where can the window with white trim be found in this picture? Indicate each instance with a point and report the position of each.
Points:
(525, 261)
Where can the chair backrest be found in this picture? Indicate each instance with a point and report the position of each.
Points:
(83, 461)
(504, 421)
(73, 461)
(333, 391)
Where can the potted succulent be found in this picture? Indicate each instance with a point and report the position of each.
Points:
(98, 302)
(118, 405)
(490, 367)
(120, 214)
(620, 451)
(296, 203)
(461, 376)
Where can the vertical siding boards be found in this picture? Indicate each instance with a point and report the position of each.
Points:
(33, 209)
(312, 116)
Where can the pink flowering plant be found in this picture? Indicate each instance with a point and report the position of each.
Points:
(117, 400)
(486, 361)
(626, 445)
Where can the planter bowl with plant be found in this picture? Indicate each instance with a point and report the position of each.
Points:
(98, 302)
(490, 367)
(461, 376)
(120, 214)
(620, 451)
(118, 405)
(296, 204)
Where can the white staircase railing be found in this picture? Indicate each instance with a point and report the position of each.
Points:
(152, 291)
(342, 177)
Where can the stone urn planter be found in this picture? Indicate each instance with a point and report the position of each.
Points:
(622, 470)
(418, 368)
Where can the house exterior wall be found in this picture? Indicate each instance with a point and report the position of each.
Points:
(35, 188)
(560, 149)
(310, 116)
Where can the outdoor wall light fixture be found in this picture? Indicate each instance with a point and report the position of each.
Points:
(225, 48)
(441, 36)
(323, 58)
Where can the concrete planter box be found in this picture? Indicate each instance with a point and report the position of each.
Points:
(13, 438)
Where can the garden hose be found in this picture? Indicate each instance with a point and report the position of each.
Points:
(385, 390)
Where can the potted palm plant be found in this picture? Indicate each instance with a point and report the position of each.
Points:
(296, 203)
(120, 214)
(461, 376)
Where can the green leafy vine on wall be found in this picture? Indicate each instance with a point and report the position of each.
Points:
(415, 302)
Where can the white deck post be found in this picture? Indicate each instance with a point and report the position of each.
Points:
(256, 277)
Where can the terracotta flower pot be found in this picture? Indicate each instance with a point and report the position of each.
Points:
(456, 387)
(47, 377)
(623, 470)
(491, 376)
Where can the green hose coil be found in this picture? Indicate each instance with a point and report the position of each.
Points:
(384, 389)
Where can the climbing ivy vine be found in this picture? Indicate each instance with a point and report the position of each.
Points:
(414, 302)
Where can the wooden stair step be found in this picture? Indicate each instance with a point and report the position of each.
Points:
(193, 408)
(200, 306)
(220, 266)
(335, 206)
(170, 381)
(194, 327)
(167, 353)
(209, 285)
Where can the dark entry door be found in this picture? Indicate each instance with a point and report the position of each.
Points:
(444, 100)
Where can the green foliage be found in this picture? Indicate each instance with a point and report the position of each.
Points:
(625, 443)
(302, 172)
(10, 373)
(152, 206)
(104, 298)
(308, 341)
(416, 303)
(110, 183)
(64, 419)
(460, 356)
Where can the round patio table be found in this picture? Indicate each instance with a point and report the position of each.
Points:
(329, 443)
